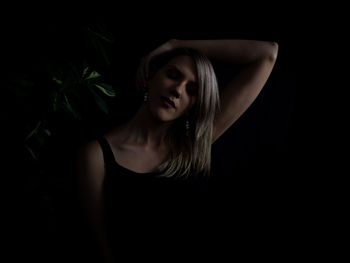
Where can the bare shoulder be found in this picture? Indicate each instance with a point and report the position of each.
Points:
(89, 150)
(89, 159)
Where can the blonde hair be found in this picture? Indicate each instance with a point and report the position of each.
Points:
(190, 154)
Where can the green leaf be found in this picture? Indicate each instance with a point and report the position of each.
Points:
(59, 82)
(105, 38)
(101, 49)
(104, 53)
(34, 131)
(100, 102)
(106, 89)
(31, 152)
(85, 72)
(70, 109)
(93, 75)
(56, 102)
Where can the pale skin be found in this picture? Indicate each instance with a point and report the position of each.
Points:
(138, 145)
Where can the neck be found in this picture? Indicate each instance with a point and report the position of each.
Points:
(145, 130)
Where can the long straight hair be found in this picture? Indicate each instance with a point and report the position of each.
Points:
(190, 153)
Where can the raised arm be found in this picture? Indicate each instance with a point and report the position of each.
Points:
(236, 51)
(90, 176)
(257, 59)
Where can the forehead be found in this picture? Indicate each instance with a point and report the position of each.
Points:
(186, 65)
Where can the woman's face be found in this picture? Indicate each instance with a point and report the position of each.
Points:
(177, 80)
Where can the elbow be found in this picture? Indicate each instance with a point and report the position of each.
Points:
(269, 51)
(273, 51)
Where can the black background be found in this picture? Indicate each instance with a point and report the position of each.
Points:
(263, 185)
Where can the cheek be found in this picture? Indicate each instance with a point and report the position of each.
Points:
(189, 103)
(160, 83)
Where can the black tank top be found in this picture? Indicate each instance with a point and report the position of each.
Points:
(143, 206)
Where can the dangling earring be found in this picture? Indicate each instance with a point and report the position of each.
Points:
(187, 127)
(145, 97)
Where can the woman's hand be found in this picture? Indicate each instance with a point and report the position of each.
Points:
(144, 64)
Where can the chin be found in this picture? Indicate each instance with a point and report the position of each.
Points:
(166, 118)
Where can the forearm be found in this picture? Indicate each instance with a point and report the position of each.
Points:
(235, 51)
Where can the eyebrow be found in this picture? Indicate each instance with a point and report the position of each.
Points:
(183, 74)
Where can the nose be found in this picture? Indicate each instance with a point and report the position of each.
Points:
(178, 89)
(175, 93)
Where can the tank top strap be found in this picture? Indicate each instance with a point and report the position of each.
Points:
(108, 155)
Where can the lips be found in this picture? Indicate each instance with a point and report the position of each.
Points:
(169, 101)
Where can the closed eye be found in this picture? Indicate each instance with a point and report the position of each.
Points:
(172, 74)
(175, 74)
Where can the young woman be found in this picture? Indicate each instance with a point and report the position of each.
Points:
(150, 168)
